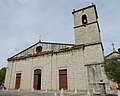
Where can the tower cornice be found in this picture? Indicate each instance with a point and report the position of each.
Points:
(74, 11)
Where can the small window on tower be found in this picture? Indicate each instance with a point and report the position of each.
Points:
(84, 19)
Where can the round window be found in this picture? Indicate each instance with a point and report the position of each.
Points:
(38, 49)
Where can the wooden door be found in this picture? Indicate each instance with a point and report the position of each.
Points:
(63, 79)
(37, 79)
(18, 80)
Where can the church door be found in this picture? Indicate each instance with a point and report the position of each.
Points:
(18, 79)
(63, 79)
(37, 79)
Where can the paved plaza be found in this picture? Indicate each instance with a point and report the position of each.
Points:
(50, 93)
(41, 93)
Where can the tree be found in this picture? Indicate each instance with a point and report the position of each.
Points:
(2, 75)
(112, 69)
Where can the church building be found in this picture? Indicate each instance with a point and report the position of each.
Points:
(53, 66)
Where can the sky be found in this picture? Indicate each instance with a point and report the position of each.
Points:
(22, 22)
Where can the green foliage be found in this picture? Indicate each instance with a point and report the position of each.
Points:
(2, 75)
(112, 69)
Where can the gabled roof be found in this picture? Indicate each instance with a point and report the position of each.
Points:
(113, 54)
(66, 48)
(39, 42)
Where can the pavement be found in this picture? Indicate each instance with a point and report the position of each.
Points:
(41, 93)
(47, 93)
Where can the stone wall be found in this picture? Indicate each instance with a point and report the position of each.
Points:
(73, 60)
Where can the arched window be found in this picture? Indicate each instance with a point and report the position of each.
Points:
(84, 19)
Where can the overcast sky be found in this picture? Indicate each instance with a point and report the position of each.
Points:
(23, 21)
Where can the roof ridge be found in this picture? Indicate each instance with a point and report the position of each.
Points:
(42, 43)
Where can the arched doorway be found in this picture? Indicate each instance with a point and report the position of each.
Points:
(37, 79)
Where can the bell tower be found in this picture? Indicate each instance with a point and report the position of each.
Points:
(86, 25)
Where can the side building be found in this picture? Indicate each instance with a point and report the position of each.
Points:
(53, 66)
(113, 55)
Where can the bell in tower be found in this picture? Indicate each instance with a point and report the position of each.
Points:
(86, 25)
(84, 19)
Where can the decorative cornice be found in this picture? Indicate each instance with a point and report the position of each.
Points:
(41, 43)
(84, 25)
(94, 64)
(75, 47)
(74, 11)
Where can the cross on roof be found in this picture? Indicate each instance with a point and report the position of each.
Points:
(113, 45)
(40, 38)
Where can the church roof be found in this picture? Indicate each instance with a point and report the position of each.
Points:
(113, 54)
(63, 48)
(42, 43)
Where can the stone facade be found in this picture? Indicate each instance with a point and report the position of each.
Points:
(79, 63)
(89, 32)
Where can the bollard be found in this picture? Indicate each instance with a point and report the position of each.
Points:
(93, 90)
(3, 89)
(88, 93)
(55, 94)
(61, 93)
(32, 89)
(19, 90)
(75, 90)
(46, 91)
